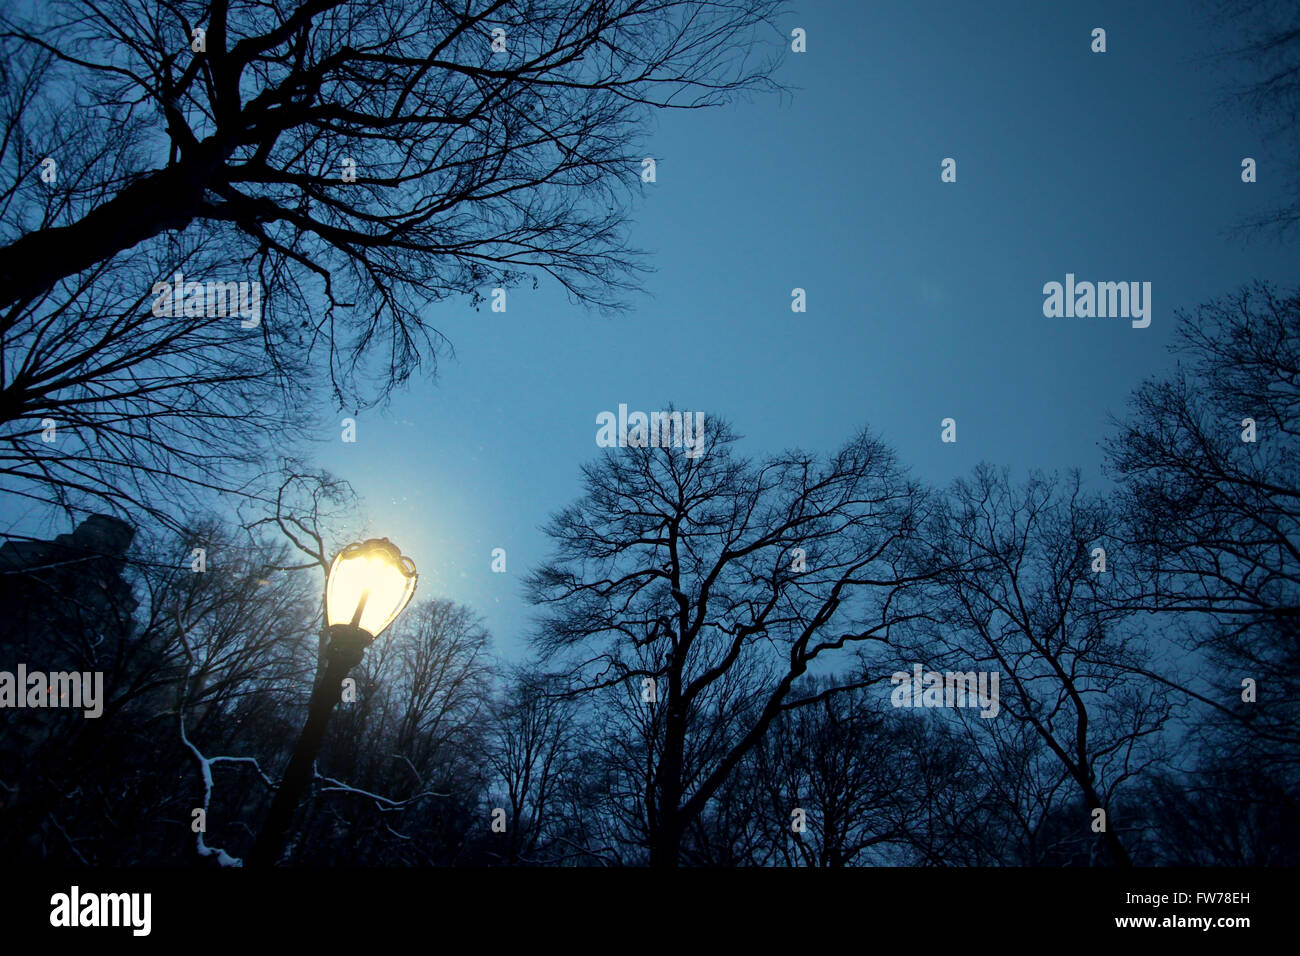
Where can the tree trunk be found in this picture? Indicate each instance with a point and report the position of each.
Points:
(1119, 856)
(665, 845)
(166, 199)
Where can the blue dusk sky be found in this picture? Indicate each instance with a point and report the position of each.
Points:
(924, 298)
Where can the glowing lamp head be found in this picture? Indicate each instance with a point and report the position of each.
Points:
(369, 584)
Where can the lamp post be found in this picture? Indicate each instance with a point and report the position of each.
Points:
(368, 585)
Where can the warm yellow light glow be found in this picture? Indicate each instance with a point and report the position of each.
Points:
(369, 584)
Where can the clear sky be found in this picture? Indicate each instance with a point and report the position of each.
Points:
(924, 298)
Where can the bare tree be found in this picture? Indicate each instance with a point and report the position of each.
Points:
(1027, 604)
(1263, 40)
(194, 660)
(706, 585)
(532, 750)
(1207, 464)
(829, 785)
(105, 405)
(361, 157)
(1221, 812)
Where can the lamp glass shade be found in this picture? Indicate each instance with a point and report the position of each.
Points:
(369, 584)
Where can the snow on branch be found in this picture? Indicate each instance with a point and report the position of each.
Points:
(205, 770)
(205, 767)
(384, 804)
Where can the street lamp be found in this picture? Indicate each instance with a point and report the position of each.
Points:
(368, 585)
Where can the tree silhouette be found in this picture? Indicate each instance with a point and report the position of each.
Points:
(105, 405)
(1212, 519)
(1023, 600)
(1265, 44)
(361, 158)
(721, 582)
